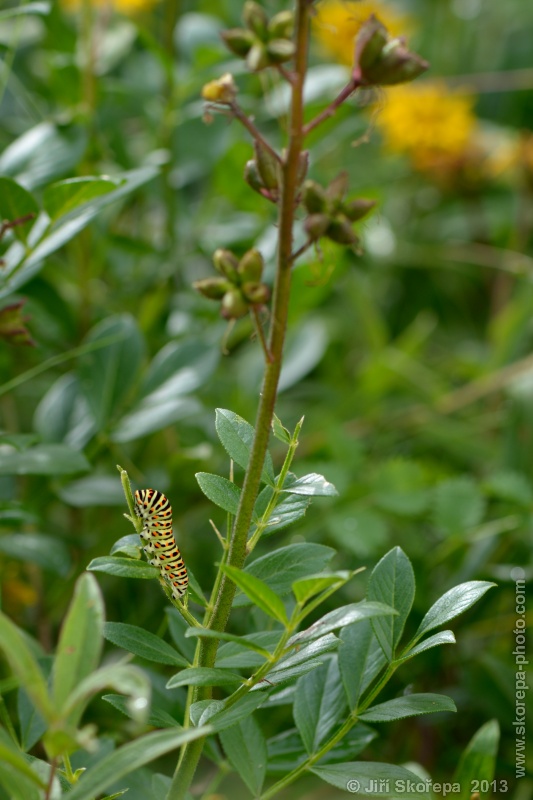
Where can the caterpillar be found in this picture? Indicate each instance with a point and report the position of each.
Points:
(161, 549)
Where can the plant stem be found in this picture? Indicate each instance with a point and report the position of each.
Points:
(343, 95)
(239, 114)
(218, 617)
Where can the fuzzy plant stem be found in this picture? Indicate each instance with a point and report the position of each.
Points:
(217, 618)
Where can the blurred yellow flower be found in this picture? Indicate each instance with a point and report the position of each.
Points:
(337, 23)
(428, 122)
(124, 6)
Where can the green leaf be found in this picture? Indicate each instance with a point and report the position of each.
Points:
(61, 415)
(340, 618)
(80, 640)
(45, 551)
(94, 490)
(375, 779)
(245, 748)
(210, 633)
(361, 659)
(157, 717)
(280, 676)
(392, 582)
(17, 764)
(63, 197)
(237, 437)
(319, 704)
(280, 431)
(179, 631)
(459, 505)
(204, 676)
(142, 643)
(291, 508)
(179, 368)
(37, 7)
(412, 705)
(312, 650)
(221, 718)
(478, 761)
(220, 491)
(306, 588)
(43, 459)
(24, 666)
(153, 413)
(444, 637)
(453, 603)
(17, 202)
(130, 545)
(131, 757)
(259, 593)
(312, 485)
(108, 373)
(123, 567)
(235, 655)
(124, 678)
(280, 568)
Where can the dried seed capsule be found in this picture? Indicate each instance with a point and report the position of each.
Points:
(357, 209)
(233, 304)
(281, 26)
(267, 166)
(251, 266)
(280, 50)
(257, 58)
(213, 288)
(226, 263)
(255, 18)
(340, 231)
(256, 293)
(313, 197)
(238, 40)
(316, 225)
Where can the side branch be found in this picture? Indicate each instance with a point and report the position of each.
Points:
(330, 110)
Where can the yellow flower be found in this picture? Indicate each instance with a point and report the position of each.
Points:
(337, 23)
(124, 6)
(428, 122)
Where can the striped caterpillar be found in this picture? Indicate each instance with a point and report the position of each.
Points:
(156, 513)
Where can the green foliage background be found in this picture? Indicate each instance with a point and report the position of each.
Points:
(379, 350)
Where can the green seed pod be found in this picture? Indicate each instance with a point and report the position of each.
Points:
(213, 288)
(316, 225)
(281, 26)
(267, 166)
(252, 177)
(340, 231)
(370, 41)
(313, 197)
(357, 209)
(337, 189)
(251, 266)
(396, 64)
(233, 304)
(257, 58)
(256, 293)
(280, 50)
(238, 40)
(255, 18)
(226, 263)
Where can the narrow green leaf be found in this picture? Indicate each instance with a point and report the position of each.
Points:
(204, 676)
(291, 508)
(123, 567)
(374, 779)
(80, 640)
(11, 755)
(221, 718)
(210, 633)
(107, 373)
(63, 197)
(412, 705)
(43, 459)
(280, 431)
(361, 659)
(93, 490)
(131, 757)
(124, 678)
(258, 592)
(280, 676)
(281, 567)
(312, 485)
(478, 761)
(235, 655)
(39, 7)
(444, 637)
(245, 748)
(46, 551)
(237, 437)
(319, 704)
(340, 618)
(152, 414)
(24, 666)
(453, 603)
(142, 643)
(157, 717)
(298, 655)
(306, 588)
(392, 582)
(17, 202)
(129, 545)
(220, 491)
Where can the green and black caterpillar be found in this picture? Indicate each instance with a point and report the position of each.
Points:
(161, 549)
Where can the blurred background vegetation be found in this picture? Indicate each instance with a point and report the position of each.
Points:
(412, 361)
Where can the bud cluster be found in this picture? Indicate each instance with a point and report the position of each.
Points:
(263, 172)
(330, 214)
(383, 61)
(263, 42)
(240, 286)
